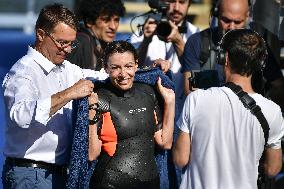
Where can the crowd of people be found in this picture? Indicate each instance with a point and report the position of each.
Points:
(217, 127)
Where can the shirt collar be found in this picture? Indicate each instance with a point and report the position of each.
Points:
(46, 64)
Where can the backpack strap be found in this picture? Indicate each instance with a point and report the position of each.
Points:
(263, 181)
(205, 46)
(250, 104)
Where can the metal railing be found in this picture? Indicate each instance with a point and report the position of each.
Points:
(26, 20)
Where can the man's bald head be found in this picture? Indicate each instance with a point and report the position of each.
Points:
(233, 14)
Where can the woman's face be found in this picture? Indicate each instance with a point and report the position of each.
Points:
(121, 68)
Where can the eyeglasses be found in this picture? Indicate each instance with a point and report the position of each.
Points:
(63, 44)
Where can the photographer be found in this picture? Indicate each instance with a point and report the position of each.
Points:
(200, 48)
(152, 48)
(173, 12)
(199, 58)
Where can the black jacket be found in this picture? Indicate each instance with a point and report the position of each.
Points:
(88, 53)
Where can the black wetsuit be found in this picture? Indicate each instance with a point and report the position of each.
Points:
(127, 159)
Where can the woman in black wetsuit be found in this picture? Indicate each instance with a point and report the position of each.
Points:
(130, 123)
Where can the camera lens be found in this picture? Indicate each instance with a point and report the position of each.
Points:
(163, 29)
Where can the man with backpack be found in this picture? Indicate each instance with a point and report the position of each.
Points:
(200, 48)
(230, 136)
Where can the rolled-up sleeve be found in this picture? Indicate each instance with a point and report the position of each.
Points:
(22, 102)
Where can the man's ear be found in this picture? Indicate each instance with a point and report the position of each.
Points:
(40, 34)
(227, 62)
(227, 68)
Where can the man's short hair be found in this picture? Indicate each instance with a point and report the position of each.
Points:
(53, 14)
(246, 51)
(90, 10)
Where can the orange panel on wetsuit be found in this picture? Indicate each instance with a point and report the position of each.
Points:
(108, 135)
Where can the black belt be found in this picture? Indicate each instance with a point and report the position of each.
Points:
(19, 162)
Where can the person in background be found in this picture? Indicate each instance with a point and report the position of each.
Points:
(126, 121)
(267, 22)
(221, 141)
(200, 49)
(199, 59)
(100, 24)
(38, 94)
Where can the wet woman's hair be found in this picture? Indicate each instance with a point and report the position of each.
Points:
(119, 47)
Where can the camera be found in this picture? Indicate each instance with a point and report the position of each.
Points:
(204, 79)
(163, 27)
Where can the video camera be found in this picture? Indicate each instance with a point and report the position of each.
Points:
(158, 12)
(163, 27)
(204, 79)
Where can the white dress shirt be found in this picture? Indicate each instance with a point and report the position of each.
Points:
(31, 133)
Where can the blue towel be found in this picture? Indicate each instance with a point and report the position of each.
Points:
(150, 76)
(80, 170)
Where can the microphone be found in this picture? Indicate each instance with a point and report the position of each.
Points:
(154, 4)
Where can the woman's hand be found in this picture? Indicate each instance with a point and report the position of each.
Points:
(93, 98)
(165, 65)
(164, 137)
(95, 143)
(167, 94)
(93, 101)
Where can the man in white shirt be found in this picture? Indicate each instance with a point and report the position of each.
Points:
(38, 94)
(220, 141)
